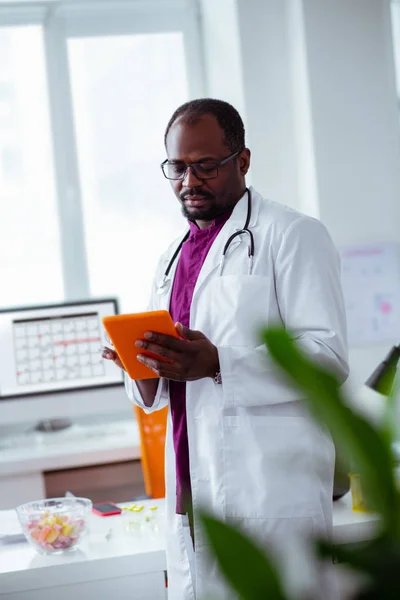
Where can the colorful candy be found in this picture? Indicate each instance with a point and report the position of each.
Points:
(134, 507)
(55, 532)
(138, 507)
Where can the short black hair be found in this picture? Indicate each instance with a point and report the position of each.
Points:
(226, 115)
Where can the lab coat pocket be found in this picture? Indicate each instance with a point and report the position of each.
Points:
(240, 308)
(269, 467)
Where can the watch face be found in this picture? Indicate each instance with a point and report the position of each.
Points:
(218, 378)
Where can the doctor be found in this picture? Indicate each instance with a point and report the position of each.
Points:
(239, 441)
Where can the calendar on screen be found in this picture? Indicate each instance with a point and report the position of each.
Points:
(53, 348)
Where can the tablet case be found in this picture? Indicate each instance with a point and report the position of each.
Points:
(124, 330)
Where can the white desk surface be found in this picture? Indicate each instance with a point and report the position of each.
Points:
(132, 546)
(350, 526)
(76, 446)
(129, 549)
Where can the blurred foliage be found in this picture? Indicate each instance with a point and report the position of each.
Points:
(246, 567)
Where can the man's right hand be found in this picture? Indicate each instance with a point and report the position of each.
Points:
(147, 387)
(109, 354)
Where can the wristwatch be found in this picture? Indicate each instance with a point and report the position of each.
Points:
(218, 378)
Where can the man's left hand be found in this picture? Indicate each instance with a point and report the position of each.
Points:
(192, 357)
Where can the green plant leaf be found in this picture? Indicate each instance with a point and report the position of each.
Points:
(375, 557)
(246, 568)
(388, 427)
(369, 448)
(379, 559)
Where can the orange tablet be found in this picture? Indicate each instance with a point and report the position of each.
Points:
(124, 330)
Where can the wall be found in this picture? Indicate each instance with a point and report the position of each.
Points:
(316, 79)
(355, 128)
(247, 62)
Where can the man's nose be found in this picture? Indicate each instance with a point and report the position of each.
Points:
(191, 180)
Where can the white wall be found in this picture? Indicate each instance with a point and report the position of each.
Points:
(222, 51)
(396, 40)
(356, 128)
(316, 79)
(247, 62)
(355, 118)
(267, 81)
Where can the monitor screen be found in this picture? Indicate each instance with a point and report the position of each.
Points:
(55, 348)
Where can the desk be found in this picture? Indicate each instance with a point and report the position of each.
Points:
(123, 557)
(25, 458)
(129, 564)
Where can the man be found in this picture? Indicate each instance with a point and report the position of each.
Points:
(239, 441)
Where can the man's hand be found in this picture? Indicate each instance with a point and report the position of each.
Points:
(147, 387)
(191, 358)
(109, 354)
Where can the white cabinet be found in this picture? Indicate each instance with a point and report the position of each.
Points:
(115, 560)
(21, 487)
(149, 586)
(99, 461)
(117, 481)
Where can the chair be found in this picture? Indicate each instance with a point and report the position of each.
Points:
(152, 430)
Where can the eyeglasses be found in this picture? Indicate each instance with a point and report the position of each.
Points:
(202, 170)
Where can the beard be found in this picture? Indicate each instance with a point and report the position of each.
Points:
(214, 209)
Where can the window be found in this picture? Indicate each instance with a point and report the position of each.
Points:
(30, 260)
(125, 88)
(86, 90)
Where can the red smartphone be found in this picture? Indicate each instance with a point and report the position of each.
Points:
(106, 509)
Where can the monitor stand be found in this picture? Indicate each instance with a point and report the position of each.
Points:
(49, 425)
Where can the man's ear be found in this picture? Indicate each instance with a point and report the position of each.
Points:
(244, 161)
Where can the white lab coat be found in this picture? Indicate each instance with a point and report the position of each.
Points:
(256, 460)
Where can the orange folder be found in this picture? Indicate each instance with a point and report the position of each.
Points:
(124, 330)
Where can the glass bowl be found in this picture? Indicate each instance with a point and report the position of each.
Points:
(55, 525)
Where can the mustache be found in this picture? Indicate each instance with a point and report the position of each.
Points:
(195, 192)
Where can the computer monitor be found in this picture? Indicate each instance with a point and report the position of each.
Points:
(55, 350)
(51, 370)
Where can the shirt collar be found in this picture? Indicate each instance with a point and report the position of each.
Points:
(218, 222)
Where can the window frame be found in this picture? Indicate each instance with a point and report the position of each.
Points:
(395, 18)
(84, 18)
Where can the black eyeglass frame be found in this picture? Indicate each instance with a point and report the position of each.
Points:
(193, 165)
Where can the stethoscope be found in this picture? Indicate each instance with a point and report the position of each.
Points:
(166, 280)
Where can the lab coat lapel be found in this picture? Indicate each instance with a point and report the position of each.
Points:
(235, 223)
(165, 298)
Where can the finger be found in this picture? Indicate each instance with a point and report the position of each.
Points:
(189, 334)
(156, 349)
(109, 354)
(151, 363)
(175, 375)
(162, 368)
(165, 340)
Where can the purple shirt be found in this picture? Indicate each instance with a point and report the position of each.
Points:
(192, 257)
